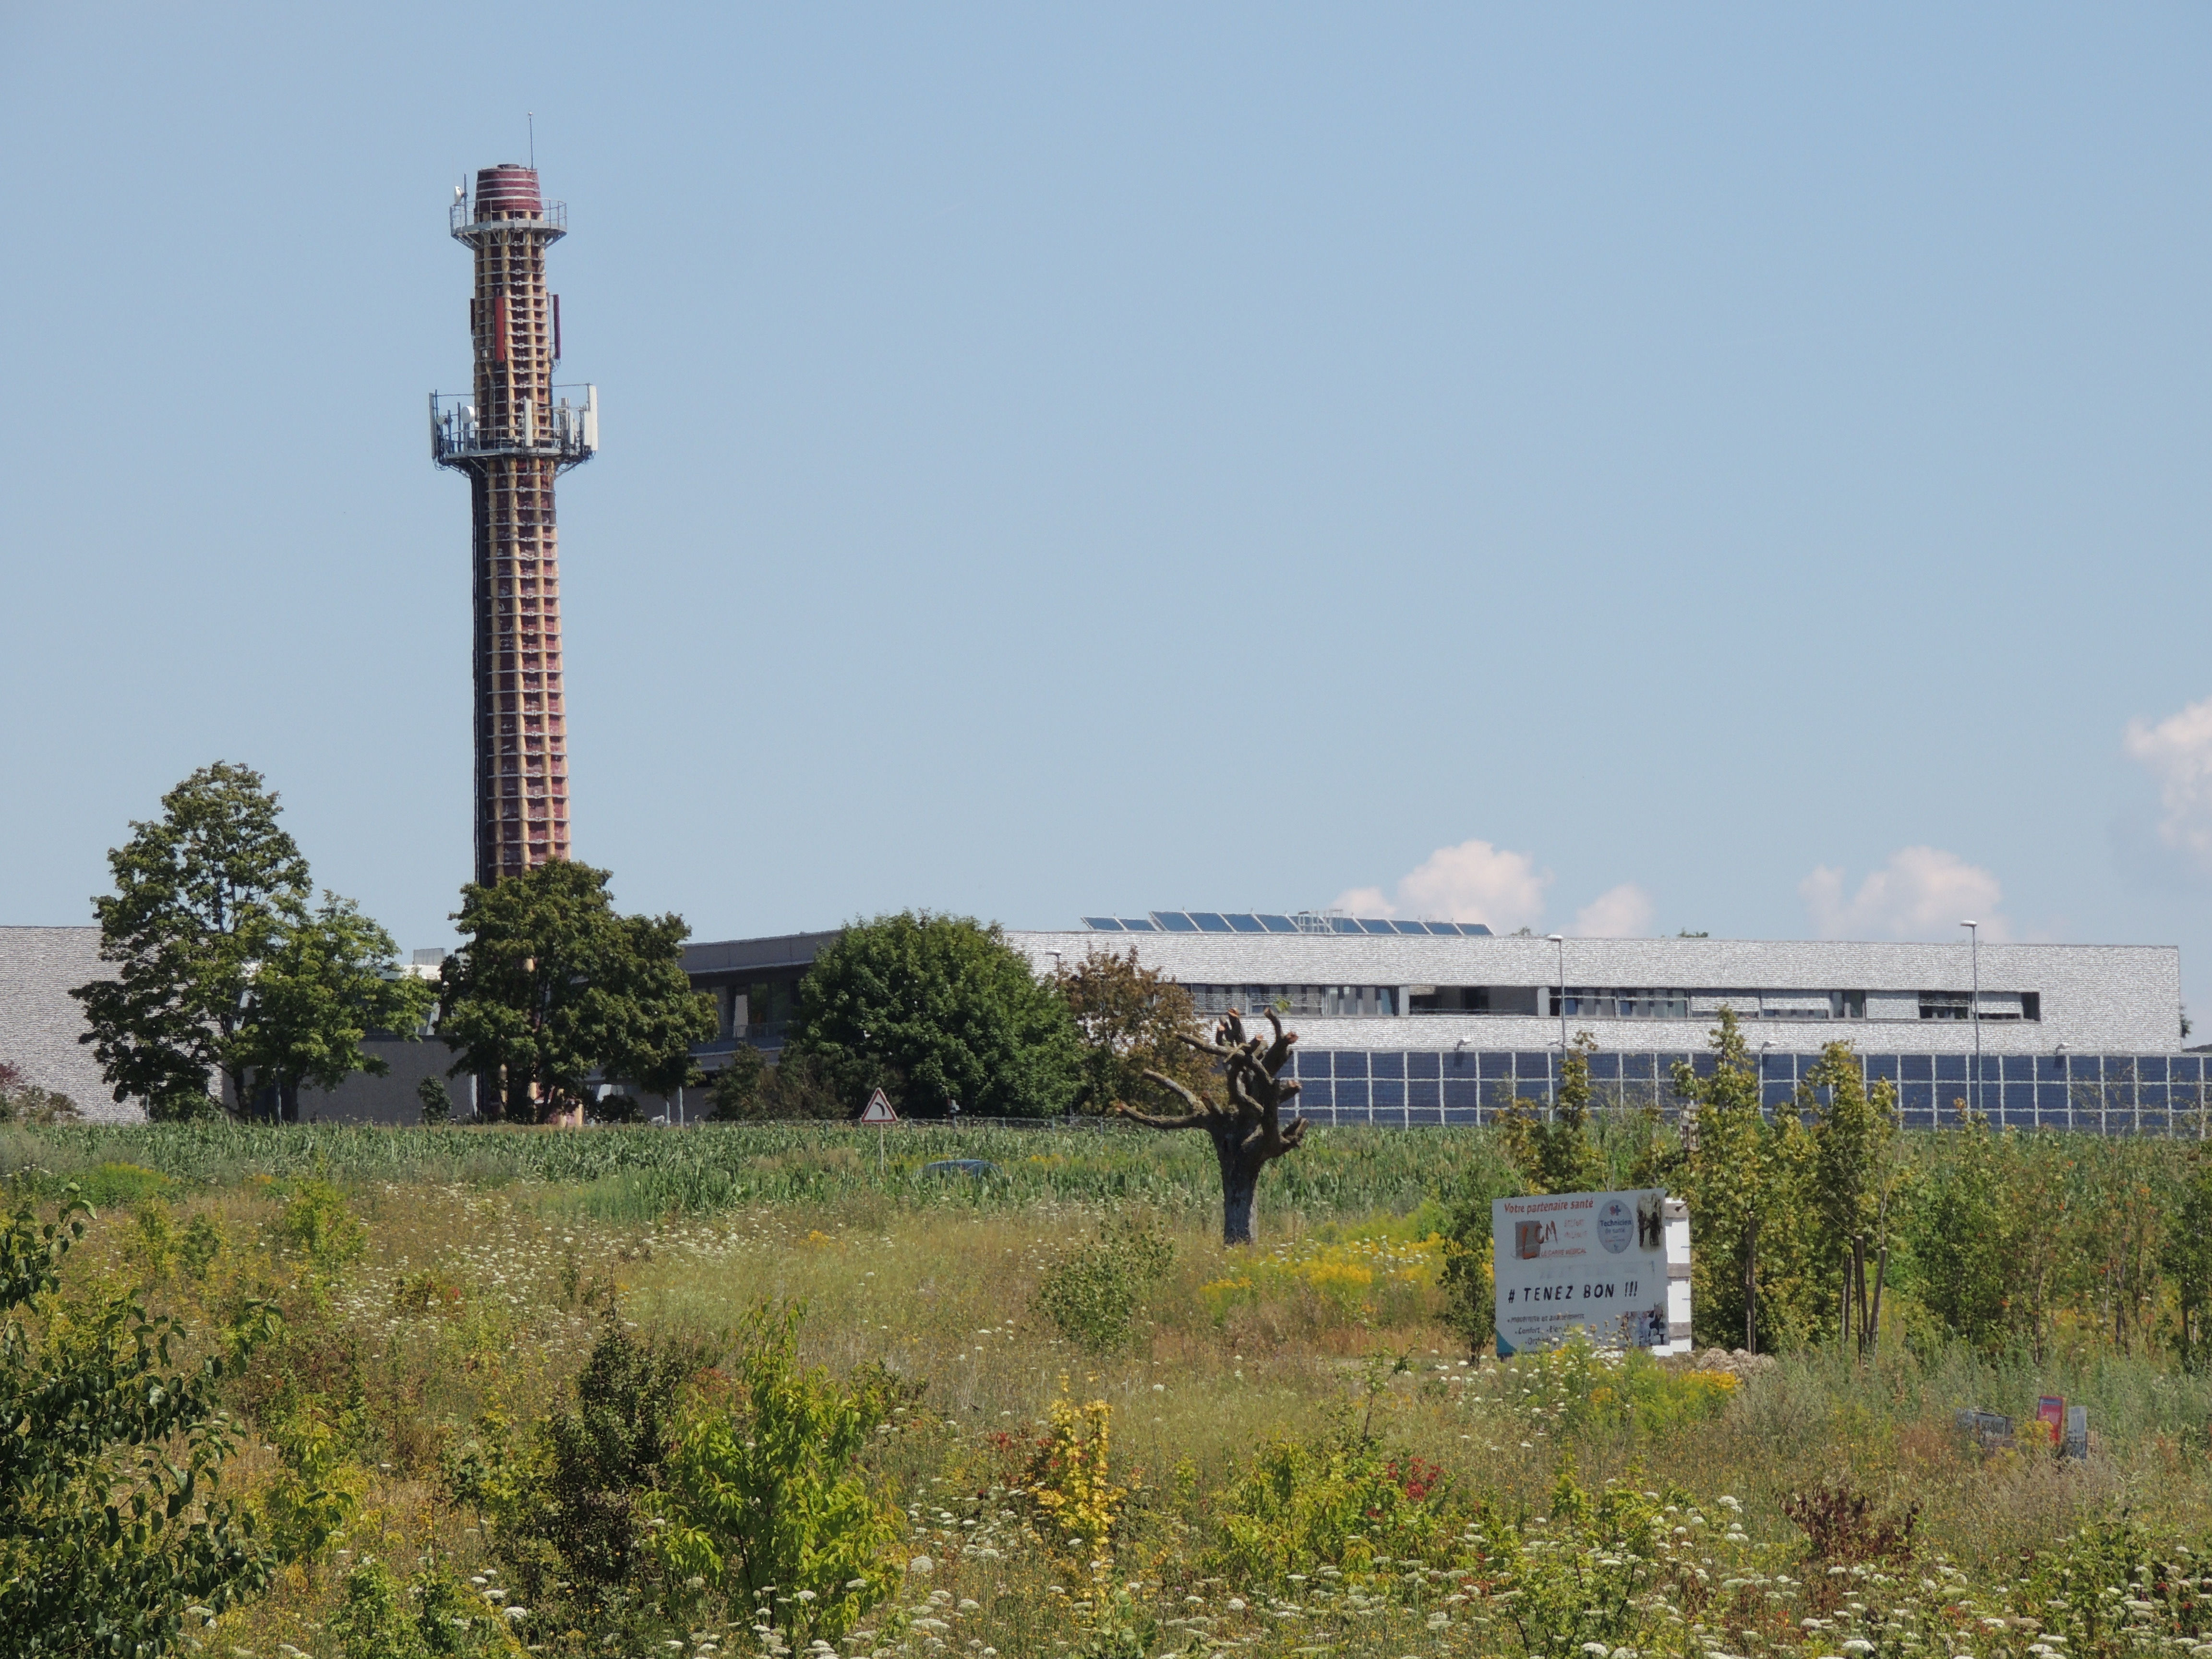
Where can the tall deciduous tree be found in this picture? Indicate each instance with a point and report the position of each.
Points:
(946, 1004)
(1134, 1020)
(553, 986)
(225, 966)
(1735, 1179)
(1561, 1155)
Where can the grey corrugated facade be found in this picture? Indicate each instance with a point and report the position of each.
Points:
(40, 1022)
(2116, 997)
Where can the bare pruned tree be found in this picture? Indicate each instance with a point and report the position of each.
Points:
(1248, 1133)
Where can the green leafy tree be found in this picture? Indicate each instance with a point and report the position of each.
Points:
(1469, 1276)
(606, 1452)
(437, 1101)
(1959, 1237)
(1135, 1021)
(1563, 1155)
(765, 1490)
(1854, 1142)
(1848, 1175)
(225, 967)
(552, 985)
(748, 1090)
(111, 1452)
(331, 980)
(945, 1003)
(1736, 1171)
(566, 1502)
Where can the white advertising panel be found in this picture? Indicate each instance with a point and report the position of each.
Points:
(1613, 1265)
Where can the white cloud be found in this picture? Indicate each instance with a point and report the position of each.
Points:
(1623, 912)
(1364, 902)
(1474, 881)
(1922, 892)
(2177, 753)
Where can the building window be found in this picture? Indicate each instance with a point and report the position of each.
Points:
(1586, 1003)
(1472, 1000)
(1297, 1001)
(1995, 1005)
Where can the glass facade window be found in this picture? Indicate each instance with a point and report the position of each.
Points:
(1297, 1001)
(2109, 1094)
(1996, 1006)
(1471, 1000)
(1593, 1004)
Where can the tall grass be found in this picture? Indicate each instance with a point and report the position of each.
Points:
(643, 1173)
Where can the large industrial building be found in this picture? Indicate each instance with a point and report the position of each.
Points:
(1406, 1022)
(1404, 1027)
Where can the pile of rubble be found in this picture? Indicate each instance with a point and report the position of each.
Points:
(1739, 1364)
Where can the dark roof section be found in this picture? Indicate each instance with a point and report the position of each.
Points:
(733, 956)
(1247, 921)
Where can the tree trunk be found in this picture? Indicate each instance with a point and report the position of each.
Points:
(1240, 1182)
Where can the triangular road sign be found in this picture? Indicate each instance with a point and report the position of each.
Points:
(878, 1109)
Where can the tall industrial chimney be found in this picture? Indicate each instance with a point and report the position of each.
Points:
(512, 435)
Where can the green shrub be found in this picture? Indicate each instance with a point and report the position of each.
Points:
(801, 1086)
(119, 1186)
(201, 1244)
(1576, 1386)
(1094, 1293)
(316, 1227)
(112, 1447)
(2118, 1587)
(1344, 1501)
(1469, 1276)
(1601, 1571)
(433, 1615)
(565, 1504)
(317, 1488)
(765, 1494)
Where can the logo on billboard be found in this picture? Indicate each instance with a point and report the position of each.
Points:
(1616, 1225)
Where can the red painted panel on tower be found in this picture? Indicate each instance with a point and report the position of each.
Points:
(505, 190)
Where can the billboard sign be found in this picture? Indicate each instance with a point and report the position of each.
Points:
(1615, 1266)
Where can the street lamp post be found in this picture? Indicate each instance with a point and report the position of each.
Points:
(1974, 1008)
(1560, 941)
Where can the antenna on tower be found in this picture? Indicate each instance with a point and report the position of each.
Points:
(530, 116)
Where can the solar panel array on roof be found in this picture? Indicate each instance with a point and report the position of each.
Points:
(1247, 921)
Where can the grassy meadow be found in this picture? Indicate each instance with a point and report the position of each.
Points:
(1286, 1451)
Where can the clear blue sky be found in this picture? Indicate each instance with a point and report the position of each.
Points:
(1062, 460)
